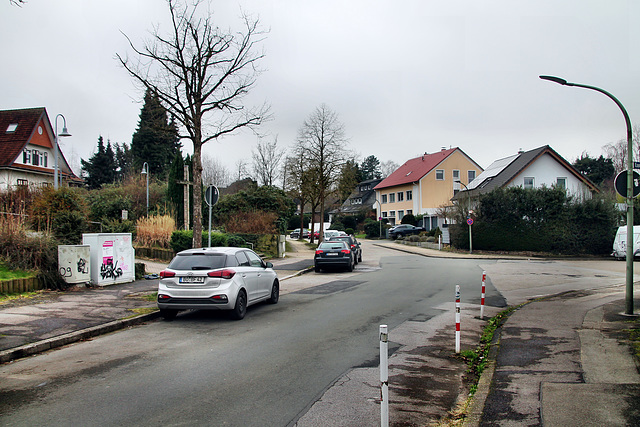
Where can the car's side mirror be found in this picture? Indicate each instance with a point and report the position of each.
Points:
(269, 265)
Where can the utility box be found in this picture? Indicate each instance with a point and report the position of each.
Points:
(112, 258)
(73, 263)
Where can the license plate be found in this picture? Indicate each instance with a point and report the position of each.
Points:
(332, 254)
(192, 279)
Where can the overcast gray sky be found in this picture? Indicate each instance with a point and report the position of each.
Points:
(405, 77)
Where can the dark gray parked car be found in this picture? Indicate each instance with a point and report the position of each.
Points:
(353, 244)
(404, 230)
(334, 254)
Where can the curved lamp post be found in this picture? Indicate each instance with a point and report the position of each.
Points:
(468, 217)
(629, 277)
(379, 217)
(65, 132)
(145, 171)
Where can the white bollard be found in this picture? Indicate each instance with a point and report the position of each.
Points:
(457, 318)
(384, 376)
(484, 278)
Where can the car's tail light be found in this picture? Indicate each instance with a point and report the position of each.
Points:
(345, 251)
(220, 298)
(319, 252)
(166, 273)
(162, 297)
(224, 274)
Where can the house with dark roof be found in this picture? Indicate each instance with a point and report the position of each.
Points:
(423, 185)
(540, 167)
(361, 200)
(27, 153)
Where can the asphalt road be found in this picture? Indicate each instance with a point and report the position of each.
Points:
(266, 370)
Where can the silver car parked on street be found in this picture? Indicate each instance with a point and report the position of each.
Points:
(216, 279)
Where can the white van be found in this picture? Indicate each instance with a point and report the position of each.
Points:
(620, 242)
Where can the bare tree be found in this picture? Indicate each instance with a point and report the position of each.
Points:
(617, 151)
(302, 184)
(322, 139)
(18, 3)
(266, 161)
(242, 169)
(214, 172)
(388, 167)
(201, 74)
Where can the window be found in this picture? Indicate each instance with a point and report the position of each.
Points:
(400, 214)
(561, 183)
(392, 197)
(384, 214)
(392, 214)
(36, 158)
(254, 259)
(45, 159)
(471, 175)
(529, 182)
(456, 175)
(12, 128)
(409, 211)
(356, 201)
(384, 198)
(400, 196)
(26, 156)
(409, 195)
(439, 174)
(23, 182)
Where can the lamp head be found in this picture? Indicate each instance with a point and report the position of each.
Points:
(555, 80)
(64, 132)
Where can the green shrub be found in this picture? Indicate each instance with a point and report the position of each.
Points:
(337, 226)
(372, 228)
(350, 231)
(236, 241)
(408, 219)
(540, 220)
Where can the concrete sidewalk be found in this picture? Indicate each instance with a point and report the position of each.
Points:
(563, 361)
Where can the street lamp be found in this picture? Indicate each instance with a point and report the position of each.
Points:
(379, 217)
(468, 217)
(629, 278)
(145, 171)
(64, 132)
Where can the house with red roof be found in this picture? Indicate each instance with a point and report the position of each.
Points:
(27, 153)
(423, 185)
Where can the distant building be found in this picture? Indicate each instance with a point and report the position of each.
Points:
(361, 200)
(540, 167)
(425, 184)
(27, 151)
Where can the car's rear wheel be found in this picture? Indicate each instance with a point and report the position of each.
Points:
(360, 258)
(350, 267)
(240, 308)
(275, 293)
(168, 314)
(316, 268)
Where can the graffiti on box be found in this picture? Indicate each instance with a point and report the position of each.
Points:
(111, 267)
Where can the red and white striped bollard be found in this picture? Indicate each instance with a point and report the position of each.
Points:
(484, 278)
(457, 318)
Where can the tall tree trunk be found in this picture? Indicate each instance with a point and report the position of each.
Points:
(197, 194)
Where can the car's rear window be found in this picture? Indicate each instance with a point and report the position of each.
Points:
(198, 261)
(331, 245)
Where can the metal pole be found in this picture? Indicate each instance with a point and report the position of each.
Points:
(209, 244)
(384, 376)
(457, 318)
(629, 198)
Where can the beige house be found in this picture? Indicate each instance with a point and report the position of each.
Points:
(423, 185)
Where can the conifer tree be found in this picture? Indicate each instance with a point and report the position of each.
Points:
(156, 138)
(100, 168)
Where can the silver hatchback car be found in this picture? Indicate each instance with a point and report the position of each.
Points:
(216, 279)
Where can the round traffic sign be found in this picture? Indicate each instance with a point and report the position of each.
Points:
(621, 183)
(470, 221)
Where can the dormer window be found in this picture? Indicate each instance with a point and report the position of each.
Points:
(12, 128)
(26, 156)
